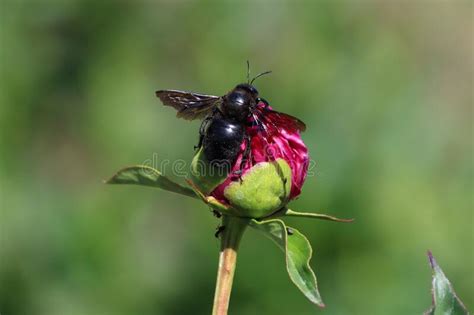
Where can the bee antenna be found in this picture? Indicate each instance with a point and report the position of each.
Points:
(248, 71)
(259, 75)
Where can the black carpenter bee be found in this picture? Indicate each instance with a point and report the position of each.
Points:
(226, 118)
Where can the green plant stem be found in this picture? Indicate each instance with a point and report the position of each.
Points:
(234, 228)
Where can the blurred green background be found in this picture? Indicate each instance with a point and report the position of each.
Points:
(384, 87)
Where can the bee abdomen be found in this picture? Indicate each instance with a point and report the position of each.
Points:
(222, 141)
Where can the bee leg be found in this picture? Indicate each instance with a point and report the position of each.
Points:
(219, 230)
(216, 213)
(237, 175)
(245, 158)
(201, 138)
(246, 155)
(202, 130)
(264, 101)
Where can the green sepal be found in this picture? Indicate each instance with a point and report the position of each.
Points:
(204, 175)
(211, 201)
(263, 189)
(148, 176)
(445, 300)
(298, 253)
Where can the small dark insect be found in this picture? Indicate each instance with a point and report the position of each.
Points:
(289, 231)
(225, 119)
(219, 230)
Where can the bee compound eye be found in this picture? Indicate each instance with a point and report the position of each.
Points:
(253, 90)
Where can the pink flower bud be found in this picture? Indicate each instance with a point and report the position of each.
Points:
(274, 137)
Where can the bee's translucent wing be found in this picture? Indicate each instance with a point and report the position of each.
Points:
(188, 104)
(286, 120)
(273, 120)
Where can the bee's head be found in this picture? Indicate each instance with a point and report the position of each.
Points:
(248, 88)
(239, 102)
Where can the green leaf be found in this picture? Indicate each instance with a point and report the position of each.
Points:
(298, 254)
(148, 176)
(311, 215)
(445, 300)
